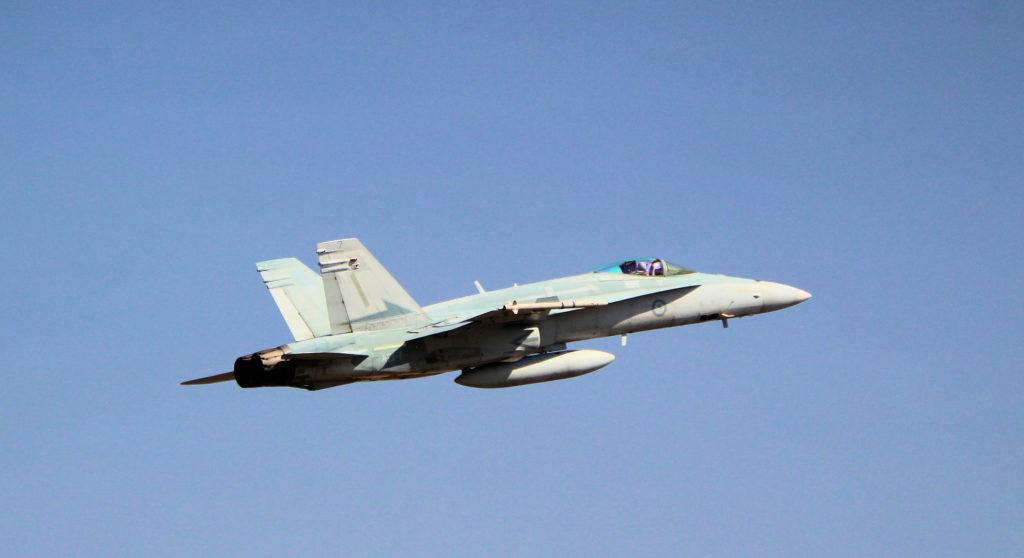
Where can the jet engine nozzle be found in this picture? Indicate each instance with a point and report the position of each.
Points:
(264, 369)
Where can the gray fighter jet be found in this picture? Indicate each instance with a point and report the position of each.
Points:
(354, 323)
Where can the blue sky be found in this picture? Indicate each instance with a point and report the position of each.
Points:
(869, 153)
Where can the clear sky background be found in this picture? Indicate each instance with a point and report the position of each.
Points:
(870, 153)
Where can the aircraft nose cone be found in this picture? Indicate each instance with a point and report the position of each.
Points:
(777, 296)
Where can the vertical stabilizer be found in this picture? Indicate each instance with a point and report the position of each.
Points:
(299, 294)
(361, 295)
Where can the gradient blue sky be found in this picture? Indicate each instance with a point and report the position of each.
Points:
(870, 153)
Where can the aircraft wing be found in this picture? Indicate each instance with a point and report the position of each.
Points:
(619, 296)
(527, 312)
(509, 313)
(516, 311)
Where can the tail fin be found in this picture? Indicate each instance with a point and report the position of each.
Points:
(361, 295)
(299, 294)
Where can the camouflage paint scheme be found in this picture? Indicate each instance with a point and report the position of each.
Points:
(353, 322)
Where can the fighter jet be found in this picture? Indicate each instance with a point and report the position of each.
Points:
(353, 322)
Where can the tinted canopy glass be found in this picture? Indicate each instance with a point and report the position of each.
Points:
(643, 266)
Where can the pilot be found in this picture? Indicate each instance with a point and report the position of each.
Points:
(656, 268)
(629, 268)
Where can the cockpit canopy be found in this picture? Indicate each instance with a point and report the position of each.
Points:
(644, 266)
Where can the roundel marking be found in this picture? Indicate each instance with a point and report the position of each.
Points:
(658, 307)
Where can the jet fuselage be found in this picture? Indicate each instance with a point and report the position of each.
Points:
(355, 322)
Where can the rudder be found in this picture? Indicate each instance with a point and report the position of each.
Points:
(299, 294)
(360, 293)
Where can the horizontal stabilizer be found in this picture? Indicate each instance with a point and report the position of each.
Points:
(225, 377)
